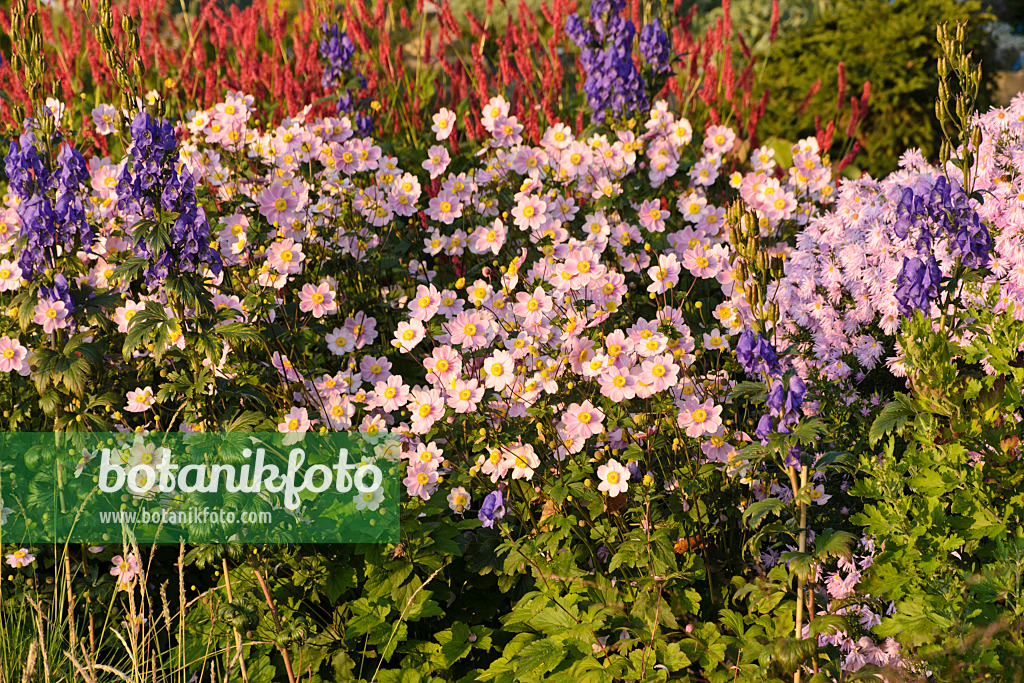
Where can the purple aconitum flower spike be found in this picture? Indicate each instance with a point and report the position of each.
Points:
(492, 509)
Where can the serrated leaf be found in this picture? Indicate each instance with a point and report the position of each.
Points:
(893, 417)
(757, 511)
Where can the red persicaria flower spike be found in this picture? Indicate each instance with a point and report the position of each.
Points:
(851, 126)
(849, 157)
(841, 101)
(773, 32)
(807, 98)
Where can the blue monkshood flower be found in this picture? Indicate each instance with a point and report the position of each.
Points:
(776, 398)
(793, 457)
(26, 172)
(39, 228)
(795, 397)
(654, 47)
(943, 210)
(153, 179)
(336, 49)
(756, 354)
(606, 54)
(917, 284)
(363, 125)
(493, 508)
(765, 426)
(59, 292)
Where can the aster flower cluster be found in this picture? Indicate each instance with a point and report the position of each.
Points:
(887, 245)
(613, 82)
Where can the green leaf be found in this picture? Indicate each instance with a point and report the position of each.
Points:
(756, 512)
(834, 544)
(893, 417)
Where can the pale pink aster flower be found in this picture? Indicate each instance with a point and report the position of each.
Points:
(437, 161)
(140, 400)
(700, 263)
(658, 372)
(374, 370)
(699, 419)
(125, 568)
(426, 407)
(499, 370)
(426, 302)
(715, 341)
(665, 275)
(705, 171)
(652, 216)
(469, 329)
(363, 329)
(285, 256)
(12, 355)
(583, 420)
(459, 500)
(296, 421)
(443, 365)
(317, 300)
(10, 276)
(340, 341)
(494, 464)
(408, 335)
(278, 204)
(445, 207)
(488, 239)
(444, 123)
(420, 480)
(104, 117)
(530, 213)
(530, 308)
(495, 109)
(284, 366)
(719, 139)
(613, 478)
(618, 384)
(465, 395)
(522, 460)
(20, 558)
(390, 395)
(428, 454)
(52, 315)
